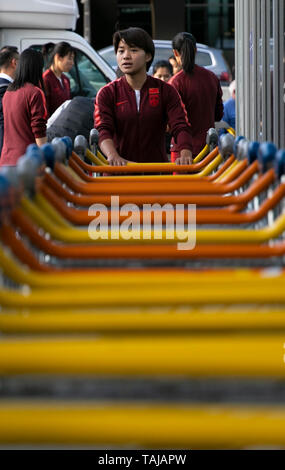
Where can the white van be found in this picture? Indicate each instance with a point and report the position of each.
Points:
(33, 23)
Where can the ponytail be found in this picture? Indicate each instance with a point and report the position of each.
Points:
(46, 52)
(185, 44)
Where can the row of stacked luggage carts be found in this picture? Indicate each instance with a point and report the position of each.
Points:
(134, 343)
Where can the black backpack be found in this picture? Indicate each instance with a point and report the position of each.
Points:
(77, 118)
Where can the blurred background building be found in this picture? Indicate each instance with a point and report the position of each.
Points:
(211, 21)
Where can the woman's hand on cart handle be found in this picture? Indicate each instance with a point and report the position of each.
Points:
(109, 149)
(117, 161)
(185, 158)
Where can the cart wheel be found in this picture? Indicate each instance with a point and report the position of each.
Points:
(266, 155)
(279, 164)
(68, 142)
(253, 151)
(80, 145)
(212, 138)
(226, 146)
(59, 149)
(93, 140)
(236, 142)
(49, 155)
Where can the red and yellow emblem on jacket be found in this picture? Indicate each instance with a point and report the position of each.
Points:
(153, 97)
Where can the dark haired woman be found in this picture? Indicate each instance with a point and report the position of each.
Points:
(24, 106)
(57, 85)
(199, 89)
(162, 69)
(132, 112)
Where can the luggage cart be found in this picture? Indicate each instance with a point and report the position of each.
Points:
(151, 349)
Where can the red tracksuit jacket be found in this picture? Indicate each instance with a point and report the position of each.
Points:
(140, 135)
(202, 95)
(56, 94)
(25, 117)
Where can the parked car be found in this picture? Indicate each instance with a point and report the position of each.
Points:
(208, 57)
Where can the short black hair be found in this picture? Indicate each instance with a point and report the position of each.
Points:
(29, 70)
(135, 37)
(162, 63)
(7, 53)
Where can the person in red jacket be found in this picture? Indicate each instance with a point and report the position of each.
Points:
(199, 89)
(132, 112)
(24, 107)
(57, 84)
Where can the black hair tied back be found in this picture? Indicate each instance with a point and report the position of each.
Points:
(185, 44)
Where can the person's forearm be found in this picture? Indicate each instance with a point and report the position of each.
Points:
(41, 141)
(185, 157)
(186, 154)
(109, 149)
